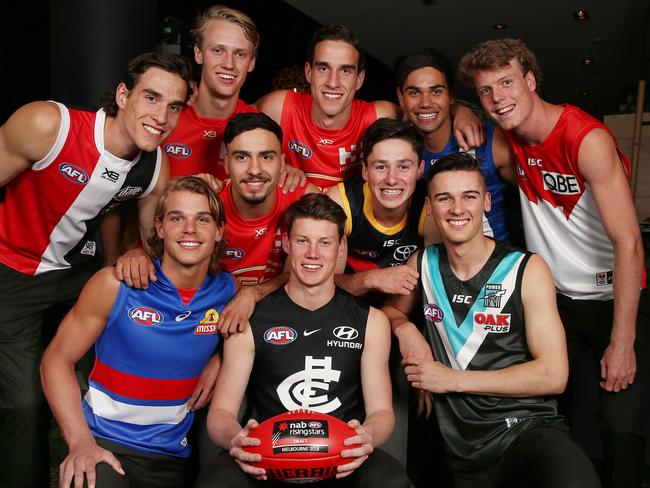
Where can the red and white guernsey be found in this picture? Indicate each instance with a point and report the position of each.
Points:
(254, 247)
(326, 156)
(561, 220)
(51, 211)
(196, 145)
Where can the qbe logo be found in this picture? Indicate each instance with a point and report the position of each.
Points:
(73, 173)
(280, 336)
(301, 149)
(178, 150)
(433, 312)
(561, 184)
(145, 316)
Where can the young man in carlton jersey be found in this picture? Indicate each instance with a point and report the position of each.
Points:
(151, 348)
(65, 169)
(425, 89)
(578, 214)
(323, 128)
(499, 350)
(358, 387)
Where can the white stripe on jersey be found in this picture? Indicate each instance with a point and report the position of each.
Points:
(106, 407)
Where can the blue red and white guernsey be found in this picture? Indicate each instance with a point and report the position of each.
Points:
(495, 222)
(149, 359)
(50, 212)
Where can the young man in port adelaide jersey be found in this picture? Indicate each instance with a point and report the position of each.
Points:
(153, 349)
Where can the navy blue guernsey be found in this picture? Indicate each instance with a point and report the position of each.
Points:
(495, 222)
(372, 245)
(308, 358)
(478, 324)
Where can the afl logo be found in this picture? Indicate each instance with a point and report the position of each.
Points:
(73, 173)
(280, 336)
(300, 149)
(178, 150)
(145, 316)
(234, 253)
(346, 333)
(315, 425)
(433, 312)
(402, 253)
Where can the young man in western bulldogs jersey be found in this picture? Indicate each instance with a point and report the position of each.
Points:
(579, 214)
(61, 171)
(332, 337)
(151, 350)
(498, 345)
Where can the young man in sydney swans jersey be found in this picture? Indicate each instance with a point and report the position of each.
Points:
(498, 346)
(151, 348)
(573, 186)
(65, 168)
(323, 129)
(255, 207)
(311, 310)
(386, 218)
(425, 91)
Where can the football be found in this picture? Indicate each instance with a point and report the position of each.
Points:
(301, 446)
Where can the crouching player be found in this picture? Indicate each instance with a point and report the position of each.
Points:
(151, 348)
(498, 346)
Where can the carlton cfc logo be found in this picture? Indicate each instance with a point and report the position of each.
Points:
(73, 173)
(433, 312)
(280, 336)
(178, 150)
(145, 316)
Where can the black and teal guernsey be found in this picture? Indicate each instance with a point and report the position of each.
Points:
(478, 325)
(308, 358)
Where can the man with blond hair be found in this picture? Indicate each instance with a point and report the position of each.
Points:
(579, 215)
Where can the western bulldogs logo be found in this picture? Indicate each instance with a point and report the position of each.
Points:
(301, 149)
(280, 336)
(145, 316)
(433, 312)
(73, 173)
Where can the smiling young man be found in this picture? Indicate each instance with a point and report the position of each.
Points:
(323, 128)
(386, 219)
(579, 215)
(335, 341)
(62, 170)
(151, 348)
(498, 346)
(425, 89)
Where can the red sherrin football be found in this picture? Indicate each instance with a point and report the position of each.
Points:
(301, 446)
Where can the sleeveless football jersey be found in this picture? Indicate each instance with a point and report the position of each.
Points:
(561, 220)
(196, 145)
(50, 212)
(478, 324)
(370, 244)
(308, 359)
(495, 222)
(149, 359)
(254, 247)
(326, 156)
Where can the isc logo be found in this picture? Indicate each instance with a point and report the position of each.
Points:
(73, 173)
(301, 149)
(561, 184)
(145, 316)
(178, 150)
(280, 335)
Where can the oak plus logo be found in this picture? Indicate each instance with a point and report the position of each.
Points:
(496, 323)
(310, 387)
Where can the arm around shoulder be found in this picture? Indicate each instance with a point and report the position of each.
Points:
(387, 109)
(271, 104)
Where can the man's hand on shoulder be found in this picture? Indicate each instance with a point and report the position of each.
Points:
(135, 268)
(360, 453)
(234, 317)
(81, 462)
(290, 178)
(202, 393)
(468, 129)
(243, 458)
(215, 183)
(394, 280)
